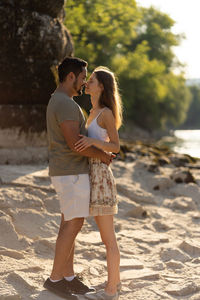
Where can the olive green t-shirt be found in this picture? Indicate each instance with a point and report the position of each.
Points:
(62, 160)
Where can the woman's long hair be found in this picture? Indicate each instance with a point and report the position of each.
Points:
(110, 95)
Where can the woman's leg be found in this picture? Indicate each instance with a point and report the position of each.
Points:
(107, 231)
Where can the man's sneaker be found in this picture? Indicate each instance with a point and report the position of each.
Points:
(78, 287)
(60, 288)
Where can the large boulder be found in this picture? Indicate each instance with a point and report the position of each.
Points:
(33, 41)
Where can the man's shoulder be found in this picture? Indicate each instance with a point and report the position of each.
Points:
(62, 100)
(60, 97)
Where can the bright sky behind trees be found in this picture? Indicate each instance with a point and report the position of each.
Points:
(186, 15)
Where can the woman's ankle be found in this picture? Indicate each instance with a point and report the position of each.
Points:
(111, 290)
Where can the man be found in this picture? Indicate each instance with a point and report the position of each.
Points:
(69, 173)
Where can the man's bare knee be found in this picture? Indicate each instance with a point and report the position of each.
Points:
(72, 227)
(77, 223)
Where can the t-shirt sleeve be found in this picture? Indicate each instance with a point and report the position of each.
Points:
(66, 110)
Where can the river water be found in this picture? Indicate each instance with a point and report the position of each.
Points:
(187, 142)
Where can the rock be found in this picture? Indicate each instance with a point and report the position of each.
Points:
(27, 155)
(7, 292)
(161, 182)
(180, 176)
(155, 214)
(126, 263)
(130, 157)
(149, 238)
(159, 266)
(195, 216)
(196, 261)
(137, 212)
(23, 280)
(91, 238)
(190, 248)
(52, 204)
(195, 297)
(135, 193)
(163, 160)
(34, 30)
(161, 226)
(156, 188)
(174, 254)
(182, 203)
(190, 190)
(184, 289)
(44, 226)
(138, 285)
(174, 264)
(12, 253)
(153, 168)
(33, 269)
(94, 271)
(18, 198)
(8, 234)
(50, 7)
(45, 246)
(139, 274)
(180, 160)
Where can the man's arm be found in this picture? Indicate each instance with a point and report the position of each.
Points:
(70, 130)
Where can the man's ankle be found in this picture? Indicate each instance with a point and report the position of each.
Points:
(56, 277)
(69, 278)
(57, 280)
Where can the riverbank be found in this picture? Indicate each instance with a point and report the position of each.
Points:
(157, 228)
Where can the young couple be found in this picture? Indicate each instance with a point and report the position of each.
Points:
(83, 189)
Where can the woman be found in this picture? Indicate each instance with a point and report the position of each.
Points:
(104, 120)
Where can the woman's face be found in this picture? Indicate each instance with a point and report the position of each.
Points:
(92, 86)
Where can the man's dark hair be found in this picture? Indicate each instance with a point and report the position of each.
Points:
(70, 64)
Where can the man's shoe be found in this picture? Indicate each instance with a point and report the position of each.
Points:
(60, 288)
(76, 286)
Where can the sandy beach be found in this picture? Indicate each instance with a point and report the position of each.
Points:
(157, 228)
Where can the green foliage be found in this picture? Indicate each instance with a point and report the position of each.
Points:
(136, 43)
(100, 31)
(156, 30)
(193, 120)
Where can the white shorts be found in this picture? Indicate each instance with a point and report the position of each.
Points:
(73, 194)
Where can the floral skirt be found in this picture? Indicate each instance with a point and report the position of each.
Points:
(103, 194)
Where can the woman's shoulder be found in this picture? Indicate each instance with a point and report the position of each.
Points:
(107, 112)
(107, 117)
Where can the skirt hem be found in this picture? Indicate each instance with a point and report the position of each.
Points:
(103, 210)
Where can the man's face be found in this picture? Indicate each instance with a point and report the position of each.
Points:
(79, 82)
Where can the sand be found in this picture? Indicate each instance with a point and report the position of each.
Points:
(157, 229)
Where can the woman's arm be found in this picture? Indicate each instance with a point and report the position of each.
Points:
(108, 122)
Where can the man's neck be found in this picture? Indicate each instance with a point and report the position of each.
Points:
(64, 89)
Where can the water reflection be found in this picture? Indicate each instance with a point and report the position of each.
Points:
(188, 141)
(184, 141)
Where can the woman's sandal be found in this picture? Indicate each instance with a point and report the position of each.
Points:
(101, 295)
(119, 287)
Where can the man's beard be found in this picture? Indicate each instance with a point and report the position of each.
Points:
(79, 92)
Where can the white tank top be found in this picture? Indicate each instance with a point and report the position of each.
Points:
(97, 132)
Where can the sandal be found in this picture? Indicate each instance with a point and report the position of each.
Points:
(101, 295)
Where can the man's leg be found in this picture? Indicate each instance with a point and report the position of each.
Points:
(69, 264)
(65, 248)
